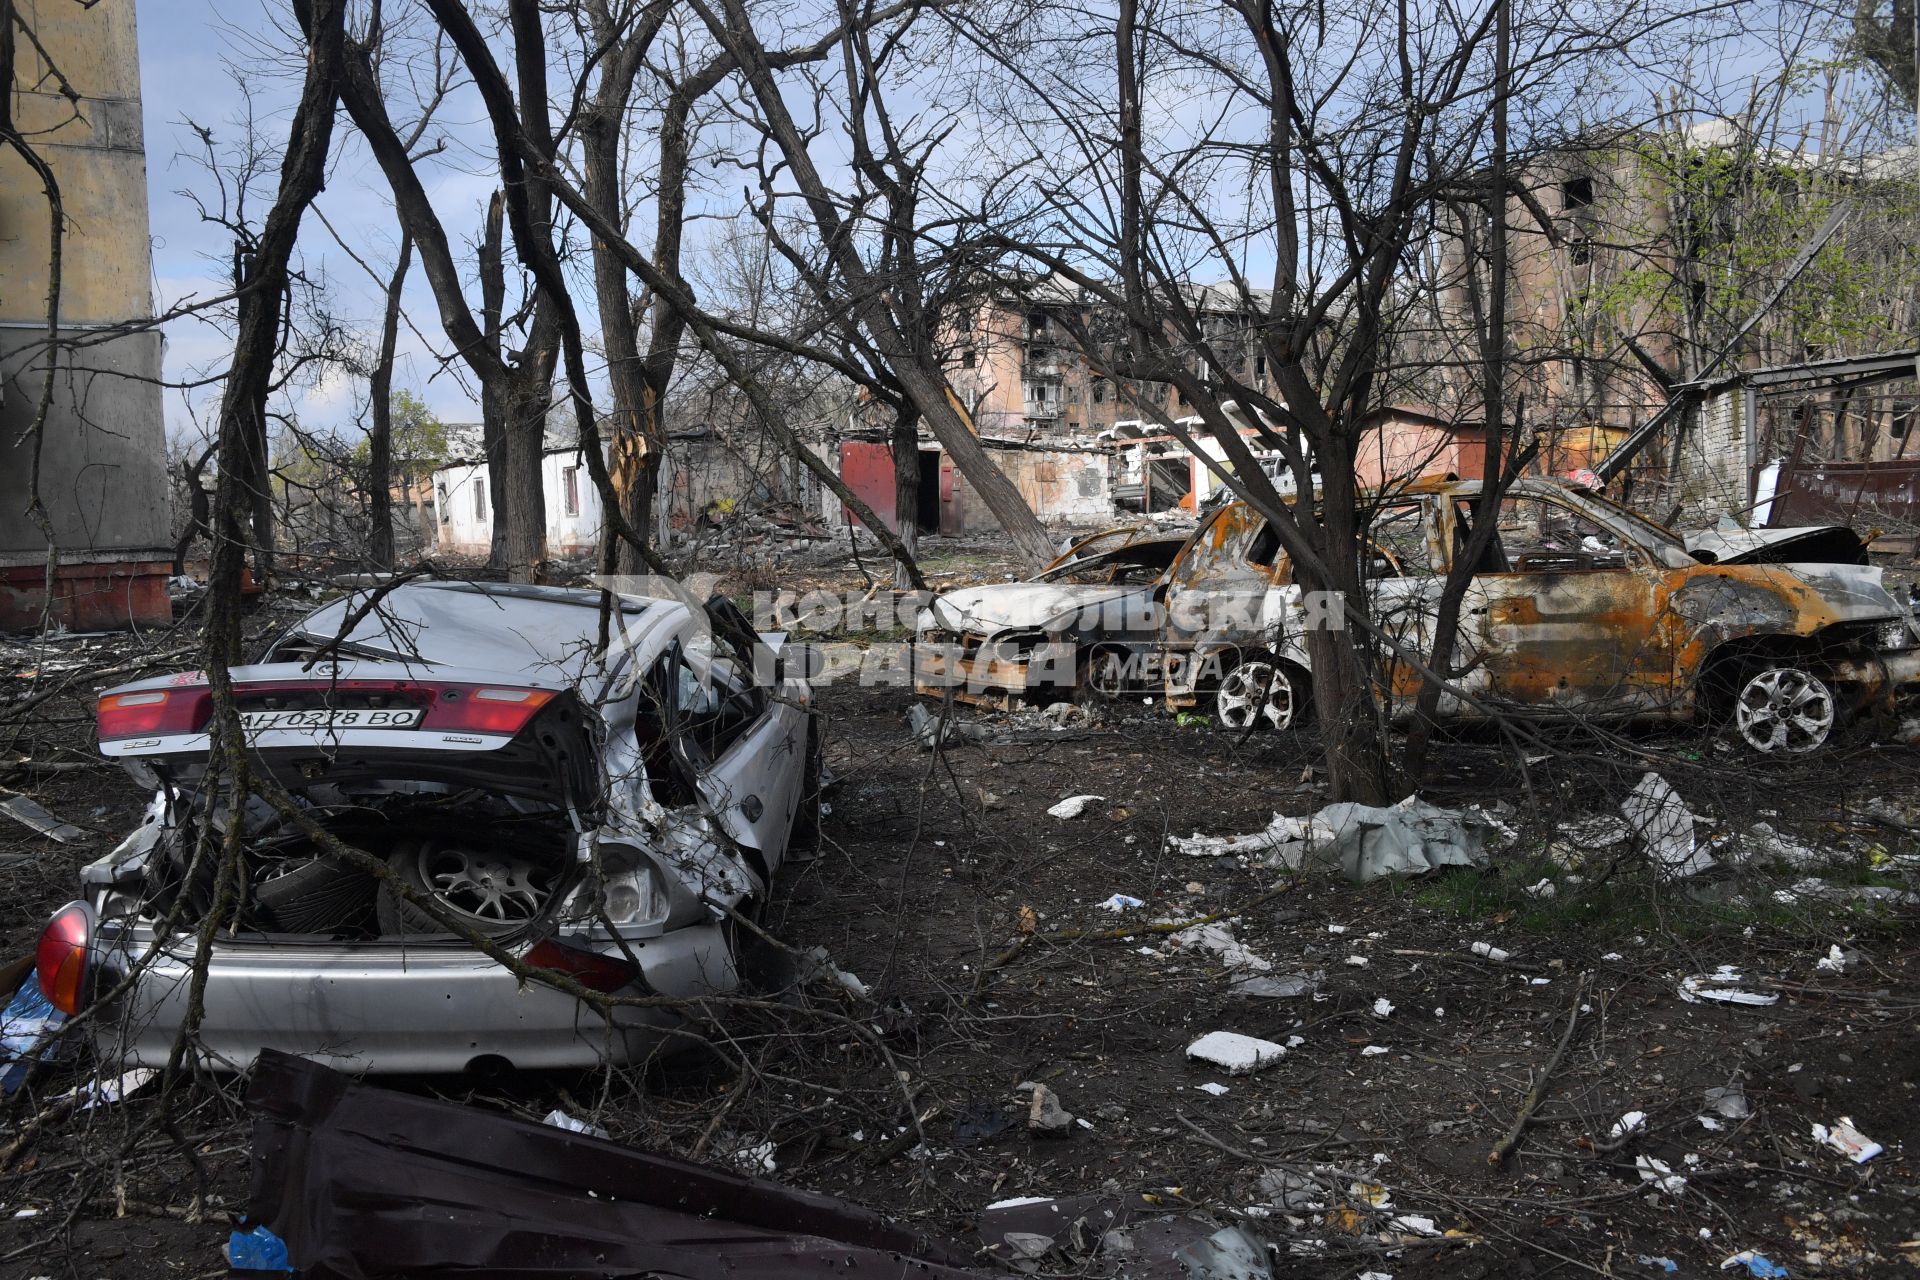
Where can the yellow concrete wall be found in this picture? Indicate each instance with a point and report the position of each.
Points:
(98, 156)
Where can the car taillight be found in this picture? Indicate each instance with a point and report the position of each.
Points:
(484, 710)
(61, 960)
(590, 969)
(155, 713)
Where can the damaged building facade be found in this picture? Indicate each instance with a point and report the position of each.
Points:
(96, 460)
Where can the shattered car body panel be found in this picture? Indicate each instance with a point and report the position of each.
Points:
(598, 813)
(361, 1182)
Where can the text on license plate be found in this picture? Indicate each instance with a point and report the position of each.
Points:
(334, 718)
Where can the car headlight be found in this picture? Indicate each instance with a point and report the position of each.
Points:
(635, 895)
(1894, 635)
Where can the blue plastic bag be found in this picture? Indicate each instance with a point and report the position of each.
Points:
(259, 1251)
(25, 1024)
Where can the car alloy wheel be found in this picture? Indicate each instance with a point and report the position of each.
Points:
(1784, 709)
(494, 891)
(1256, 694)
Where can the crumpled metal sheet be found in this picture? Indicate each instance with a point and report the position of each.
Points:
(363, 1182)
(1401, 840)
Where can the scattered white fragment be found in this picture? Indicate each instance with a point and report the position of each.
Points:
(1121, 902)
(1542, 888)
(1374, 1275)
(1539, 982)
(1213, 1087)
(1374, 1051)
(1073, 806)
(1660, 1173)
(1710, 1124)
(821, 965)
(1414, 1224)
(1218, 938)
(1017, 1201)
(1719, 987)
(1358, 962)
(1665, 825)
(1490, 951)
(1383, 1008)
(26, 1213)
(757, 1158)
(1835, 961)
(1612, 957)
(1632, 1122)
(1294, 1042)
(561, 1120)
(1336, 928)
(1234, 1053)
(1847, 1140)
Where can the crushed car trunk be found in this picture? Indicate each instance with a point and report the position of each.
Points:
(471, 787)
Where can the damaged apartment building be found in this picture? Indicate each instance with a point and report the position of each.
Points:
(1685, 295)
(1078, 444)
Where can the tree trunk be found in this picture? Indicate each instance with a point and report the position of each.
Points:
(524, 525)
(242, 491)
(1343, 695)
(380, 433)
(906, 486)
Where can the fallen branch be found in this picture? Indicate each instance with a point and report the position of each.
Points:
(1531, 1103)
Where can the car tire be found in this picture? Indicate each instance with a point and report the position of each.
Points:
(806, 817)
(492, 890)
(1781, 709)
(318, 895)
(1260, 693)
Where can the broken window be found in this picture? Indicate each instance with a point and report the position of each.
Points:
(1576, 193)
(969, 358)
(1580, 250)
(1536, 536)
(479, 497)
(1398, 543)
(570, 490)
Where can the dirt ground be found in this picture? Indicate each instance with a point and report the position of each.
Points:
(970, 918)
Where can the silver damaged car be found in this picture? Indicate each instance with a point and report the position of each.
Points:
(604, 812)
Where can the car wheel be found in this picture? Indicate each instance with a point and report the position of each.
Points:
(316, 895)
(1784, 710)
(493, 891)
(1259, 694)
(1105, 674)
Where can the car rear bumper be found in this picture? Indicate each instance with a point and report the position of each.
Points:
(381, 1007)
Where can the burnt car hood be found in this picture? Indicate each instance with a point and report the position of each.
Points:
(553, 756)
(1024, 606)
(1812, 544)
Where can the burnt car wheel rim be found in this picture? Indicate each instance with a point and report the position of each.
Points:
(1255, 693)
(1784, 709)
(496, 888)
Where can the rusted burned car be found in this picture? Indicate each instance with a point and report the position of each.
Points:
(601, 813)
(1578, 607)
(1074, 626)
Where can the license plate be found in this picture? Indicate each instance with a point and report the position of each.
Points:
(333, 718)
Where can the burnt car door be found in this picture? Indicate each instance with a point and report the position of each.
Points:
(1563, 608)
(1216, 598)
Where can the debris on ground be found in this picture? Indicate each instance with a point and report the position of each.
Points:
(1722, 986)
(1234, 1053)
(28, 1025)
(1847, 1140)
(1120, 902)
(1217, 936)
(561, 1120)
(1491, 952)
(1045, 1115)
(1661, 1174)
(341, 1170)
(31, 814)
(1665, 825)
(820, 965)
(1073, 806)
(1283, 986)
(1363, 842)
(1756, 1265)
(1836, 960)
